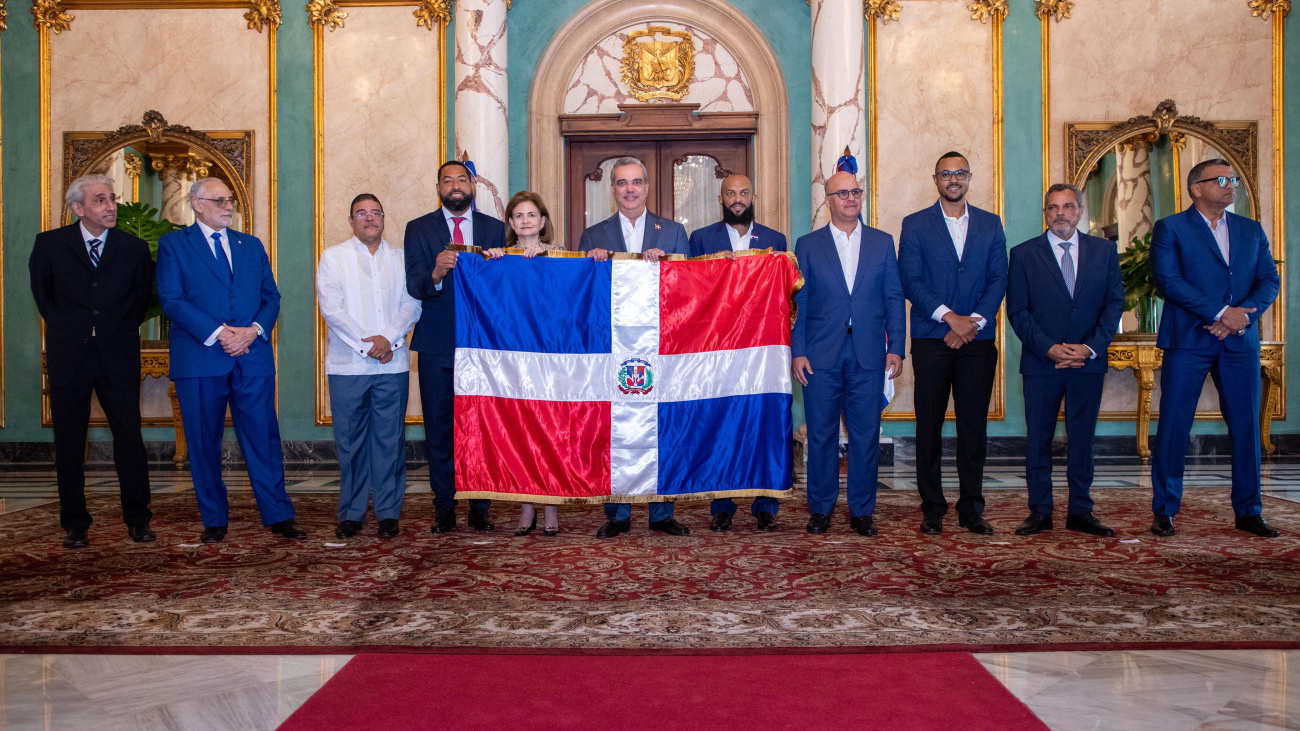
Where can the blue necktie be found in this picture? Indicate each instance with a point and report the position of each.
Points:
(94, 253)
(222, 262)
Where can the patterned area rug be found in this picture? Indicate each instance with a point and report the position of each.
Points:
(707, 591)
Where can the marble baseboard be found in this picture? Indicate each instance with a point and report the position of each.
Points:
(1200, 445)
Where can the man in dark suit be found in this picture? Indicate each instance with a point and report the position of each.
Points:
(953, 260)
(637, 230)
(847, 338)
(216, 285)
(1217, 275)
(738, 231)
(1064, 300)
(428, 268)
(92, 285)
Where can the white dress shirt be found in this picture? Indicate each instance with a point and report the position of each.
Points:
(466, 231)
(957, 228)
(361, 295)
(1220, 233)
(633, 232)
(740, 242)
(1056, 242)
(225, 246)
(848, 246)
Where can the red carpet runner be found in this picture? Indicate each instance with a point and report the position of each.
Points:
(750, 692)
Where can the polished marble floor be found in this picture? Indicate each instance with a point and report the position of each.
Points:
(1161, 690)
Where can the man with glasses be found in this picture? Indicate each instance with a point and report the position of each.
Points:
(1217, 275)
(361, 289)
(429, 265)
(92, 285)
(847, 339)
(216, 285)
(953, 260)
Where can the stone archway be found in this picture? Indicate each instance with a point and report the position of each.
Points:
(731, 28)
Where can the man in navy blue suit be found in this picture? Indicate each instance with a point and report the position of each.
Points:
(847, 337)
(637, 230)
(953, 260)
(428, 267)
(1064, 300)
(735, 232)
(1217, 275)
(216, 285)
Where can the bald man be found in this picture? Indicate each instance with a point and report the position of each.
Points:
(737, 231)
(847, 339)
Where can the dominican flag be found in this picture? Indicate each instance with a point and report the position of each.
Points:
(623, 381)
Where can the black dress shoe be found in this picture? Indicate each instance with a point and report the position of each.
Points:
(347, 529)
(141, 533)
(767, 522)
(612, 528)
(1255, 524)
(389, 528)
(1163, 526)
(671, 527)
(1088, 524)
(818, 523)
(445, 521)
(932, 525)
(1036, 523)
(213, 534)
(529, 529)
(76, 538)
(720, 522)
(479, 520)
(288, 529)
(976, 524)
(864, 525)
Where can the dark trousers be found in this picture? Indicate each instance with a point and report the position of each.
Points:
(760, 505)
(1181, 379)
(854, 392)
(437, 398)
(1043, 395)
(70, 407)
(251, 400)
(967, 375)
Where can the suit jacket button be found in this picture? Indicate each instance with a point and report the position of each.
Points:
(94, 284)
(94, 312)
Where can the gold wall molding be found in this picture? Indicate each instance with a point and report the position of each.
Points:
(325, 13)
(4, 25)
(262, 13)
(50, 15)
(984, 10)
(886, 10)
(1060, 9)
(1267, 9)
(434, 15)
(1279, 9)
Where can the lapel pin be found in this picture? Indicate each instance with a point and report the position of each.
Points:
(656, 227)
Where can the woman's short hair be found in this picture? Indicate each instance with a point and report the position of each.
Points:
(548, 231)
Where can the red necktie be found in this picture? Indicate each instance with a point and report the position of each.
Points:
(457, 236)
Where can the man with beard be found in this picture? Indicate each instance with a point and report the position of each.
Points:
(635, 229)
(428, 268)
(1064, 299)
(953, 260)
(736, 232)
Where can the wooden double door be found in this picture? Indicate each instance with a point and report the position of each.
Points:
(686, 164)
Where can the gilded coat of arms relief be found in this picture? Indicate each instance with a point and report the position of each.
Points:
(658, 63)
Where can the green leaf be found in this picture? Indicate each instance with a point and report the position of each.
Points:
(143, 220)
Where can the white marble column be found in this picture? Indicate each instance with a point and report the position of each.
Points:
(176, 195)
(839, 93)
(1133, 205)
(481, 124)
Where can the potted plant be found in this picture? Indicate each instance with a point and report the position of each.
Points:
(1139, 284)
(143, 220)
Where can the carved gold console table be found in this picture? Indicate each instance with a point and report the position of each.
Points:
(1140, 353)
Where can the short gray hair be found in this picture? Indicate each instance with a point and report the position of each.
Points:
(197, 188)
(77, 190)
(1199, 168)
(645, 172)
(1061, 187)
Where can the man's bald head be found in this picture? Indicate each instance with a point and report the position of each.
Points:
(844, 200)
(843, 180)
(737, 201)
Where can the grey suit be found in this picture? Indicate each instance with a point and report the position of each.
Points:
(660, 233)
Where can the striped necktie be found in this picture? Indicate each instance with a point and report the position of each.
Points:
(94, 252)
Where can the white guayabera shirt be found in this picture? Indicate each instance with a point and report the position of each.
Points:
(361, 295)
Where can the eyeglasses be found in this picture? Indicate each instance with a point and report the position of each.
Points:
(847, 194)
(223, 202)
(1223, 180)
(368, 214)
(958, 175)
